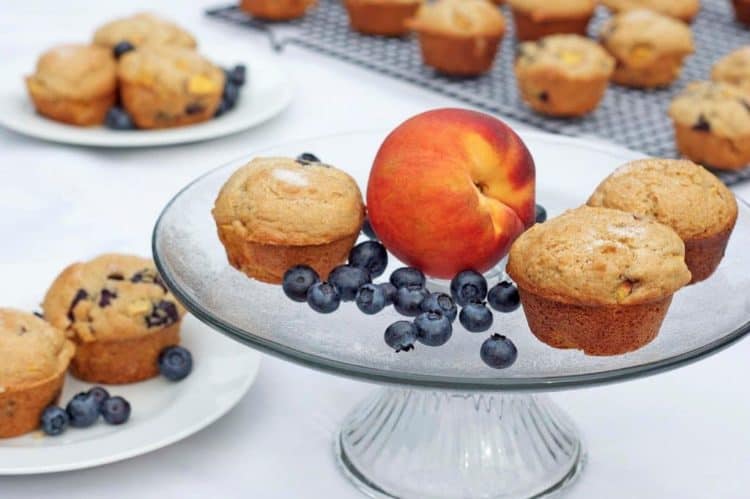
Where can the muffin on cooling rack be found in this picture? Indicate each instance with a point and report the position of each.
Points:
(459, 37)
(120, 315)
(712, 124)
(685, 10)
(597, 280)
(381, 17)
(682, 195)
(75, 84)
(143, 29)
(535, 19)
(552, 71)
(34, 357)
(734, 68)
(649, 47)
(277, 10)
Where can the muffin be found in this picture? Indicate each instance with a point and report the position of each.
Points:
(597, 279)
(682, 195)
(166, 86)
(34, 357)
(535, 19)
(552, 71)
(381, 17)
(143, 29)
(276, 10)
(649, 48)
(742, 11)
(275, 213)
(459, 37)
(120, 315)
(712, 124)
(734, 68)
(684, 10)
(75, 84)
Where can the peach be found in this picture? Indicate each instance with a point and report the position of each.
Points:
(451, 189)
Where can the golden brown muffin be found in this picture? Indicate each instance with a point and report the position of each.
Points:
(143, 29)
(459, 37)
(277, 10)
(682, 195)
(712, 124)
(74, 84)
(34, 357)
(684, 10)
(381, 17)
(535, 19)
(120, 315)
(598, 280)
(734, 68)
(275, 213)
(742, 11)
(649, 47)
(552, 71)
(163, 86)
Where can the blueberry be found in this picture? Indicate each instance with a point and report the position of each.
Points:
(297, 281)
(370, 255)
(231, 94)
(175, 363)
(409, 299)
(83, 410)
(116, 410)
(468, 286)
(407, 276)
(442, 303)
(401, 336)
(237, 74)
(122, 48)
(99, 394)
(323, 297)
(389, 290)
(371, 299)
(164, 313)
(368, 230)
(498, 352)
(223, 108)
(306, 158)
(118, 119)
(433, 329)
(54, 420)
(504, 297)
(541, 214)
(476, 317)
(348, 279)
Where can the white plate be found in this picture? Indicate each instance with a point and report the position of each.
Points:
(267, 92)
(162, 412)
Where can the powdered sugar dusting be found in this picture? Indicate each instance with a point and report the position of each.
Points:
(291, 177)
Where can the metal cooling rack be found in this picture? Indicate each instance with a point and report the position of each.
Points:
(634, 118)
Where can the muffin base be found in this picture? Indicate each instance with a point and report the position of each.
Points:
(74, 112)
(708, 149)
(20, 410)
(528, 28)
(742, 11)
(150, 109)
(459, 55)
(557, 96)
(703, 255)
(380, 18)
(276, 10)
(661, 73)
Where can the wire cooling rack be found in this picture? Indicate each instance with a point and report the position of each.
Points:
(634, 118)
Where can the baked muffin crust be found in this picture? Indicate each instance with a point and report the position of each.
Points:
(734, 68)
(460, 18)
(715, 107)
(79, 72)
(141, 29)
(639, 37)
(681, 9)
(572, 56)
(544, 10)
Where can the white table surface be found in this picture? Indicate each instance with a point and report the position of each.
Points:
(683, 434)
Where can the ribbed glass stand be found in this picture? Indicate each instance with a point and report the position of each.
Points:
(422, 444)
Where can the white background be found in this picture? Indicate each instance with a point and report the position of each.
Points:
(683, 434)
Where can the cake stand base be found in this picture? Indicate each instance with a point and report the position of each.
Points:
(438, 444)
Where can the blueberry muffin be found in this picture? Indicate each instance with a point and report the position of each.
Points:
(649, 48)
(275, 213)
(535, 19)
(381, 17)
(164, 86)
(75, 84)
(684, 10)
(552, 71)
(459, 37)
(734, 68)
(712, 124)
(120, 315)
(597, 279)
(143, 29)
(682, 195)
(276, 10)
(34, 357)
(742, 11)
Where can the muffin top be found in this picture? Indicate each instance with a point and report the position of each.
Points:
(31, 350)
(284, 202)
(641, 36)
(677, 193)
(143, 29)
(719, 108)
(75, 72)
(459, 17)
(599, 256)
(571, 55)
(682, 9)
(734, 68)
(541, 10)
(110, 297)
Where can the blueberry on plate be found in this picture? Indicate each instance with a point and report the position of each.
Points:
(323, 297)
(237, 74)
(116, 410)
(370, 255)
(83, 410)
(223, 108)
(54, 420)
(175, 363)
(540, 214)
(306, 158)
(498, 352)
(99, 394)
(231, 94)
(476, 317)
(368, 231)
(348, 279)
(122, 48)
(389, 290)
(504, 297)
(118, 119)
(297, 282)
(407, 276)
(401, 336)
(468, 286)
(433, 329)
(371, 299)
(442, 303)
(409, 300)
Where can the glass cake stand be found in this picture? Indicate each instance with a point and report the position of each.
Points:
(444, 425)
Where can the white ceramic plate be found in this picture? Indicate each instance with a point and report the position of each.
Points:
(267, 92)
(162, 412)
